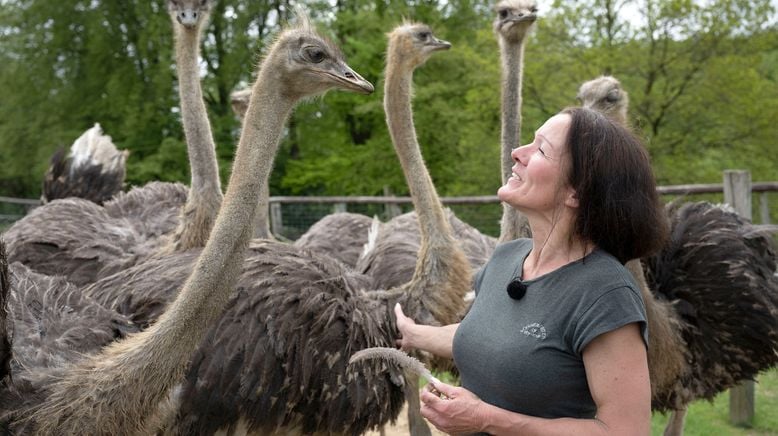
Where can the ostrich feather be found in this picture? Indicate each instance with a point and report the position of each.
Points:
(395, 356)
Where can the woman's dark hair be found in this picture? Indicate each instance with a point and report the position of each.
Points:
(618, 205)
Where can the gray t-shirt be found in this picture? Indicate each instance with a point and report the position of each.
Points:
(526, 355)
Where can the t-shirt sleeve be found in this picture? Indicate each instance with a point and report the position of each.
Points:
(479, 277)
(613, 309)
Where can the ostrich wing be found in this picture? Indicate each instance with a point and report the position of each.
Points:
(278, 357)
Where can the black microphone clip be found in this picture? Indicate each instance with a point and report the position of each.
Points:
(516, 289)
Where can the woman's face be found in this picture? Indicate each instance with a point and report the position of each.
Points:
(539, 172)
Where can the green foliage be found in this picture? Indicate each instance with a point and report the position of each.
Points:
(701, 78)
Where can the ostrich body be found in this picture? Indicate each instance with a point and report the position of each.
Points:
(342, 235)
(205, 196)
(115, 391)
(93, 170)
(84, 241)
(391, 255)
(711, 301)
(53, 325)
(718, 272)
(285, 339)
(5, 328)
(511, 25)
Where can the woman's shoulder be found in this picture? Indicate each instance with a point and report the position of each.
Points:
(605, 272)
(514, 246)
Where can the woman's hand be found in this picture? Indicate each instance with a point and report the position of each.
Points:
(404, 325)
(451, 409)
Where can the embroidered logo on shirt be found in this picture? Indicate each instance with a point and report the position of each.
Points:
(535, 330)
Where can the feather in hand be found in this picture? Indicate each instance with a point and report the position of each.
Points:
(396, 356)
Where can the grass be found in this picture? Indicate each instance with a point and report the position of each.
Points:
(712, 418)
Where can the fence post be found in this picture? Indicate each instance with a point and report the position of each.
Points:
(338, 207)
(764, 208)
(391, 209)
(737, 193)
(276, 219)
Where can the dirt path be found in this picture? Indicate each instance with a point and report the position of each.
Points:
(400, 428)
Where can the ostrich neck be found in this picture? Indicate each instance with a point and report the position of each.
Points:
(512, 224)
(399, 117)
(197, 128)
(207, 290)
(512, 54)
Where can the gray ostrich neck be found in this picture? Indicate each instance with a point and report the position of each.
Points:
(207, 290)
(197, 128)
(512, 225)
(397, 103)
(512, 54)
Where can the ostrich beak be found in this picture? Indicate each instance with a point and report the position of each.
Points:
(350, 80)
(439, 44)
(523, 17)
(187, 17)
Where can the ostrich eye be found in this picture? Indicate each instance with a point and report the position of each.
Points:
(534, 9)
(503, 14)
(613, 96)
(314, 54)
(424, 35)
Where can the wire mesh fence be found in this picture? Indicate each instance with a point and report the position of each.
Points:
(290, 220)
(290, 217)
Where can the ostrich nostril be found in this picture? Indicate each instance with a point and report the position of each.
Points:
(349, 75)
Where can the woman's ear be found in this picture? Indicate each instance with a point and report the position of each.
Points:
(571, 198)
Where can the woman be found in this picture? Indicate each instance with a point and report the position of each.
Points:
(555, 341)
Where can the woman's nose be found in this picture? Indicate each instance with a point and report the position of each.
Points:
(518, 154)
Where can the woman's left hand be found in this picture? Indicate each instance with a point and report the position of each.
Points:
(456, 411)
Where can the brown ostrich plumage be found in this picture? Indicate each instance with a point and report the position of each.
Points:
(342, 235)
(718, 272)
(78, 238)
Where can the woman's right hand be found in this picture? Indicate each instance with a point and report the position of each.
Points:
(405, 325)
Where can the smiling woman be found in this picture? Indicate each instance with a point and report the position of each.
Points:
(575, 341)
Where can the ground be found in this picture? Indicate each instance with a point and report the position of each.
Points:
(401, 427)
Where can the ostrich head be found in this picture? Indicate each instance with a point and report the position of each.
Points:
(189, 12)
(411, 44)
(309, 64)
(239, 101)
(604, 94)
(514, 18)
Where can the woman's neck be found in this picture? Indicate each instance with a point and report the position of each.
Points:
(553, 246)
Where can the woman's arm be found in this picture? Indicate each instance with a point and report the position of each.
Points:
(617, 372)
(435, 340)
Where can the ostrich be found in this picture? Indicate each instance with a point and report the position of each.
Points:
(606, 95)
(85, 243)
(513, 22)
(205, 196)
(94, 169)
(716, 270)
(342, 235)
(114, 392)
(284, 341)
(5, 328)
(45, 323)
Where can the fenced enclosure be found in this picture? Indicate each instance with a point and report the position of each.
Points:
(290, 217)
